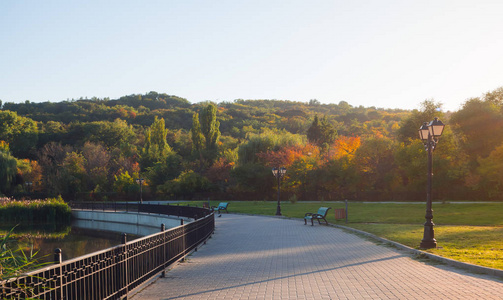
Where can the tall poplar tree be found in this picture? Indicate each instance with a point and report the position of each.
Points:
(210, 127)
(196, 135)
(205, 133)
(156, 146)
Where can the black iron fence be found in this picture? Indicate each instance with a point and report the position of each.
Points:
(112, 273)
(170, 210)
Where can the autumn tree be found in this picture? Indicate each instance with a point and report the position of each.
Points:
(374, 162)
(97, 166)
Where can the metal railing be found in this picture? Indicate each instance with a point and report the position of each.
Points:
(113, 272)
(170, 210)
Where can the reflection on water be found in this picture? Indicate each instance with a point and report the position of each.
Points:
(73, 241)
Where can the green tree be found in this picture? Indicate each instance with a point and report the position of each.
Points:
(186, 185)
(196, 136)
(21, 133)
(210, 127)
(321, 132)
(125, 184)
(8, 168)
(74, 176)
(480, 125)
(490, 171)
(164, 170)
(409, 126)
(156, 146)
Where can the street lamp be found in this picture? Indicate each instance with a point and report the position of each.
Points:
(430, 133)
(140, 182)
(278, 173)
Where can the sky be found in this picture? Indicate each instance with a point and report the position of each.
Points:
(386, 53)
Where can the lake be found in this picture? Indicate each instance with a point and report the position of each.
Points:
(73, 241)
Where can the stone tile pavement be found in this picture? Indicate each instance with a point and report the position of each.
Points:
(254, 257)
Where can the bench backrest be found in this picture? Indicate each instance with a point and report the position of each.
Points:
(323, 211)
(223, 205)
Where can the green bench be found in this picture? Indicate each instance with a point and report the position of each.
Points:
(320, 215)
(221, 206)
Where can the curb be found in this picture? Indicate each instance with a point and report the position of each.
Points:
(451, 262)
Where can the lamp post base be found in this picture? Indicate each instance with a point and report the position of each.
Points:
(429, 240)
(428, 244)
(278, 211)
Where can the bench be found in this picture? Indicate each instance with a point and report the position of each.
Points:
(320, 215)
(221, 206)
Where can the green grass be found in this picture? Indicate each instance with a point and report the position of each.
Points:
(464, 231)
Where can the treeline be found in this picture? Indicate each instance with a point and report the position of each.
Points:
(96, 149)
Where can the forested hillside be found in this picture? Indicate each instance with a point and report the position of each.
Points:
(95, 149)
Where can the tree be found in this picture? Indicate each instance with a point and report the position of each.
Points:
(321, 132)
(164, 170)
(186, 185)
(344, 146)
(21, 133)
(8, 168)
(97, 161)
(490, 171)
(125, 184)
(314, 132)
(480, 124)
(210, 128)
(409, 126)
(205, 133)
(74, 174)
(51, 158)
(197, 136)
(374, 163)
(156, 146)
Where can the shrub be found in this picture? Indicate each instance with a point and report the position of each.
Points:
(34, 211)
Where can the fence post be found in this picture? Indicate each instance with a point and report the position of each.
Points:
(126, 283)
(346, 210)
(58, 259)
(163, 274)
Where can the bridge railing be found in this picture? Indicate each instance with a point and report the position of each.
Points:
(172, 210)
(113, 272)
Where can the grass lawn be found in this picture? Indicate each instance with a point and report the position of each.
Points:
(465, 232)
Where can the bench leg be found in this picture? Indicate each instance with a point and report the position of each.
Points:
(305, 222)
(312, 222)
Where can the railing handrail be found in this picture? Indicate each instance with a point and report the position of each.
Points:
(117, 270)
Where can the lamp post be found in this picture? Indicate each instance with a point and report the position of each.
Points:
(430, 133)
(28, 185)
(140, 182)
(278, 173)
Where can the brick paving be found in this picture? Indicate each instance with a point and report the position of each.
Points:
(254, 257)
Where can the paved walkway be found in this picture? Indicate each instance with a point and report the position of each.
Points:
(253, 257)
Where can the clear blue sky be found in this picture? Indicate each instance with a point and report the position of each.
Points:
(386, 53)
